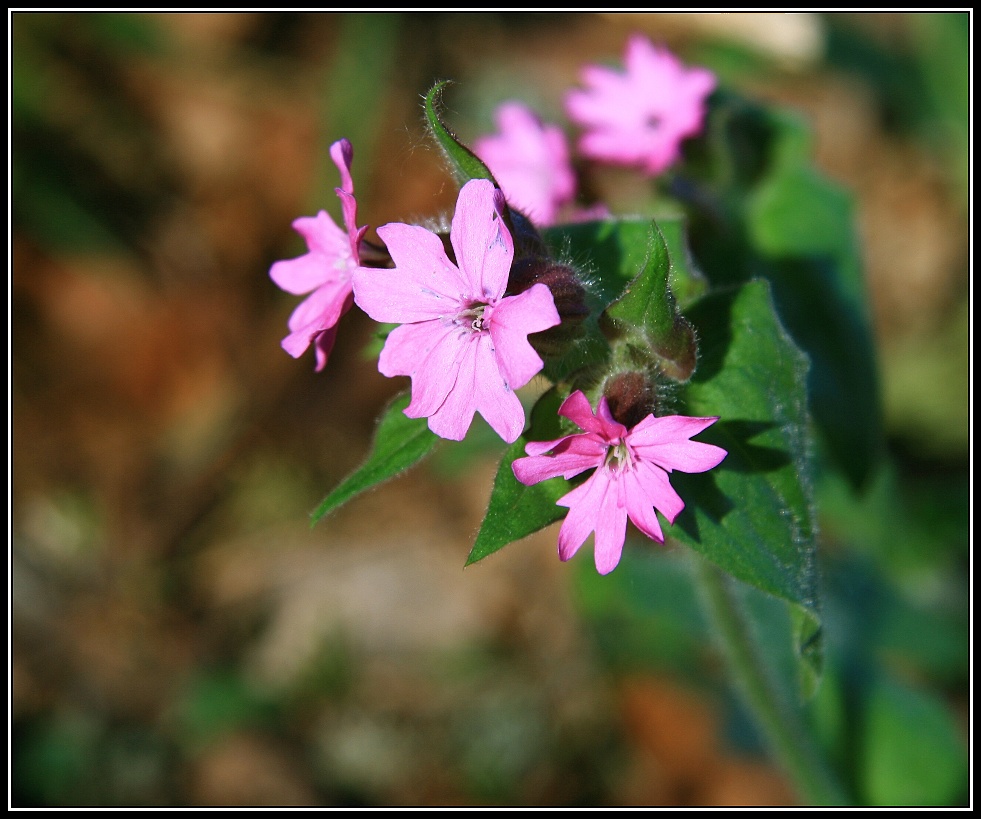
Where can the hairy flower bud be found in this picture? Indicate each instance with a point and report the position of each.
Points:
(568, 293)
(632, 396)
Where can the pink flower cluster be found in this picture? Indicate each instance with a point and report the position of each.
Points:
(637, 117)
(464, 343)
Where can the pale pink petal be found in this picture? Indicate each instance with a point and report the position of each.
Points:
(432, 355)
(530, 161)
(483, 247)
(298, 342)
(584, 503)
(322, 308)
(302, 274)
(423, 286)
(479, 388)
(611, 529)
(511, 321)
(493, 396)
(322, 235)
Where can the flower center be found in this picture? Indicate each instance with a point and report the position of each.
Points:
(472, 319)
(618, 457)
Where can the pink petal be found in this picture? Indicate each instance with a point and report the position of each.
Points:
(342, 152)
(423, 286)
(574, 455)
(578, 409)
(594, 506)
(664, 441)
(493, 396)
(649, 485)
(637, 484)
(323, 343)
(484, 248)
(511, 321)
(322, 308)
(302, 274)
(323, 235)
(530, 161)
(432, 355)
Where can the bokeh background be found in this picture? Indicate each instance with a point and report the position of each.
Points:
(181, 636)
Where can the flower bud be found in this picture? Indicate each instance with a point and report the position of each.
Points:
(632, 396)
(568, 293)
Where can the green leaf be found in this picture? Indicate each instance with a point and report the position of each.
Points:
(913, 752)
(648, 306)
(516, 510)
(465, 163)
(752, 516)
(612, 252)
(758, 207)
(399, 443)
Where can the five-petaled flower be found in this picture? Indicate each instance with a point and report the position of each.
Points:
(639, 117)
(631, 477)
(530, 161)
(325, 269)
(461, 340)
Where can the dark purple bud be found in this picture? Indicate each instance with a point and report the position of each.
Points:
(632, 396)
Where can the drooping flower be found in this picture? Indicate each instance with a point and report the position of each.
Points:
(631, 477)
(325, 270)
(463, 342)
(530, 161)
(639, 117)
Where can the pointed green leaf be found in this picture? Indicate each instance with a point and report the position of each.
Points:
(465, 163)
(515, 510)
(752, 516)
(646, 300)
(399, 443)
(612, 252)
(648, 306)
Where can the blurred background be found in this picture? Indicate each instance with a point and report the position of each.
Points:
(180, 635)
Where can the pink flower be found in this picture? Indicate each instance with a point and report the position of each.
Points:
(463, 343)
(530, 162)
(325, 270)
(631, 477)
(639, 117)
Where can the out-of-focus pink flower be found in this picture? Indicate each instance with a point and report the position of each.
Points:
(530, 162)
(325, 270)
(631, 477)
(639, 117)
(461, 341)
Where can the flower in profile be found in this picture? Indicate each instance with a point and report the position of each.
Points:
(631, 477)
(463, 342)
(530, 161)
(639, 117)
(325, 270)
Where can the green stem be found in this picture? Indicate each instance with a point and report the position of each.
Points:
(781, 723)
